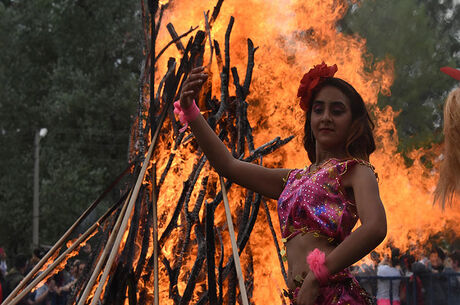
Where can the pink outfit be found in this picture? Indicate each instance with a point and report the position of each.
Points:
(315, 201)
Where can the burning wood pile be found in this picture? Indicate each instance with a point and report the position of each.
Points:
(166, 234)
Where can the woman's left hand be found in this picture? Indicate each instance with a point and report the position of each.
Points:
(309, 291)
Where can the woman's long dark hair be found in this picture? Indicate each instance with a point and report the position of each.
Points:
(360, 142)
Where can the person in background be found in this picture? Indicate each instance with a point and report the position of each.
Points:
(2, 286)
(3, 265)
(369, 270)
(388, 289)
(453, 279)
(411, 290)
(448, 186)
(16, 274)
(75, 274)
(436, 288)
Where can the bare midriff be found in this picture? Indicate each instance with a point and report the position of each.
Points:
(297, 250)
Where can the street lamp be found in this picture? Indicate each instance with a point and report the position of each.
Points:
(36, 204)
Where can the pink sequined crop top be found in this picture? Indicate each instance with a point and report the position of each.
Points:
(315, 201)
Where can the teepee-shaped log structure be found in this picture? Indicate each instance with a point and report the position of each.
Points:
(163, 236)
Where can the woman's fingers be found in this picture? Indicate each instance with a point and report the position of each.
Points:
(192, 85)
(197, 69)
(195, 77)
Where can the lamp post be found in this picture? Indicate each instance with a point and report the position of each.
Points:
(36, 204)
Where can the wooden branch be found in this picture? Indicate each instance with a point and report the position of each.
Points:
(241, 120)
(145, 243)
(133, 198)
(236, 257)
(156, 291)
(243, 219)
(208, 32)
(178, 140)
(174, 36)
(249, 69)
(191, 282)
(275, 240)
(197, 51)
(63, 256)
(195, 175)
(160, 18)
(268, 148)
(225, 75)
(153, 7)
(103, 257)
(64, 237)
(210, 253)
(173, 290)
(174, 41)
(215, 12)
(250, 224)
(173, 222)
(220, 279)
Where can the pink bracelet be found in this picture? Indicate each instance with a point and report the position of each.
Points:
(186, 115)
(316, 260)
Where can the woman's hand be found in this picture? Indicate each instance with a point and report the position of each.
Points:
(192, 86)
(309, 291)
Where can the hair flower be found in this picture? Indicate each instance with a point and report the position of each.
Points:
(310, 80)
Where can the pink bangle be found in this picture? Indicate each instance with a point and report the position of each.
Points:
(186, 115)
(316, 260)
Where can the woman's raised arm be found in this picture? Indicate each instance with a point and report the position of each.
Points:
(268, 182)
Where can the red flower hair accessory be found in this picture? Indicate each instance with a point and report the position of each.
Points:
(310, 80)
(454, 73)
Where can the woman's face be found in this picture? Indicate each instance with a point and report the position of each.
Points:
(331, 118)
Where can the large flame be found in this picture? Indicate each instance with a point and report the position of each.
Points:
(294, 35)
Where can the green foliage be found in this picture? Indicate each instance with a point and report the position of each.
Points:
(420, 37)
(71, 67)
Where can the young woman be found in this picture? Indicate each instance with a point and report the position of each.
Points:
(319, 205)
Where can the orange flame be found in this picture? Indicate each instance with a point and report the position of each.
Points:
(293, 35)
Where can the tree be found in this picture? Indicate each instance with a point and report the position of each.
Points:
(420, 37)
(72, 67)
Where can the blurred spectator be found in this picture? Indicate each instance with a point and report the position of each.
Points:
(40, 296)
(453, 291)
(3, 266)
(37, 255)
(2, 286)
(16, 274)
(436, 285)
(57, 295)
(85, 253)
(388, 290)
(412, 288)
(369, 270)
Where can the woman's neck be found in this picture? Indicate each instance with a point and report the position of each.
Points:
(323, 155)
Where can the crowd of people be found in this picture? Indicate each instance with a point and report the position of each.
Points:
(409, 279)
(55, 291)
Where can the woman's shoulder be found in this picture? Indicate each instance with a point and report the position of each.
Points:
(289, 175)
(359, 166)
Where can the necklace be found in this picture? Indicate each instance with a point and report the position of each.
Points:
(318, 166)
(309, 170)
